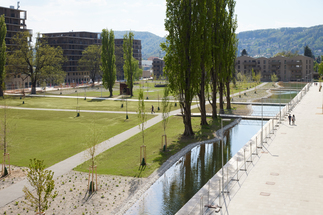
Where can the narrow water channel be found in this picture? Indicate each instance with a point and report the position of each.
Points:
(180, 182)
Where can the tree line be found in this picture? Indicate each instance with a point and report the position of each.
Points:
(42, 63)
(200, 51)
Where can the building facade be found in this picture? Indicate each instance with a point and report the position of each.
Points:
(15, 20)
(74, 43)
(158, 67)
(298, 68)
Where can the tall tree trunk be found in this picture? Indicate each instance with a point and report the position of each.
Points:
(201, 96)
(186, 105)
(33, 86)
(214, 92)
(228, 95)
(221, 97)
(1, 91)
(110, 90)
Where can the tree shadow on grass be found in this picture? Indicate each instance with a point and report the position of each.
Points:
(95, 100)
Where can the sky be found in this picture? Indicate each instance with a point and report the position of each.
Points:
(46, 16)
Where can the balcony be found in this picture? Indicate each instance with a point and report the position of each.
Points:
(294, 62)
(250, 63)
(296, 68)
(275, 63)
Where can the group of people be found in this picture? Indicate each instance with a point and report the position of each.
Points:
(291, 119)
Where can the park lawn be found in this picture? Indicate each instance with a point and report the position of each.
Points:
(124, 159)
(240, 86)
(97, 91)
(55, 136)
(72, 103)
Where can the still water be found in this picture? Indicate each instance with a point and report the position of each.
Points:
(180, 182)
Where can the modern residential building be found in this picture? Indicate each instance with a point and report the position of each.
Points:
(299, 68)
(74, 43)
(136, 50)
(15, 20)
(158, 66)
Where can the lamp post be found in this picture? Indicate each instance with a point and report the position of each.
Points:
(222, 151)
(127, 109)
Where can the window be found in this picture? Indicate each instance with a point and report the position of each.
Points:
(264, 61)
(285, 72)
(239, 67)
(264, 67)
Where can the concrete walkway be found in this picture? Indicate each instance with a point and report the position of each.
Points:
(289, 178)
(14, 191)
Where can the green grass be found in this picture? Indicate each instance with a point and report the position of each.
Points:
(71, 103)
(55, 136)
(123, 159)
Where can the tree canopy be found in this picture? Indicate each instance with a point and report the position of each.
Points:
(244, 53)
(128, 66)
(308, 52)
(37, 61)
(91, 61)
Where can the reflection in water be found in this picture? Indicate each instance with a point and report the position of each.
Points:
(179, 183)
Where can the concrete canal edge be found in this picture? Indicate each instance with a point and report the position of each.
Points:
(164, 167)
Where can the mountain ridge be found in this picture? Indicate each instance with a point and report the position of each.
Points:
(260, 42)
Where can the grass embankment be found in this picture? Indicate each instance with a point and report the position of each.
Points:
(71, 103)
(55, 136)
(124, 159)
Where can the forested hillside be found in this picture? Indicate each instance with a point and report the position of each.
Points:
(149, 42)
(268, 42)
(265, 42)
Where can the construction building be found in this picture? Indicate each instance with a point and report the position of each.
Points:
(298, 68)
(158, 66)
(74, 43)
(15, 20)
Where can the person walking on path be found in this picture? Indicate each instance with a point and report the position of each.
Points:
(152, 109)
(289, 118)
(294, 119)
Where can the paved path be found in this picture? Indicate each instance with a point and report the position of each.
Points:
(289, 179)
(13, 192)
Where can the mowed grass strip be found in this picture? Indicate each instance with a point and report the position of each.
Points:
(55, 136)
(71, 103)
(124, 159)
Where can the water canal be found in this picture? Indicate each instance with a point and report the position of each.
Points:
(186, 177)
(180, 182)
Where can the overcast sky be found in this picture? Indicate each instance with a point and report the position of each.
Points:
(47, 16)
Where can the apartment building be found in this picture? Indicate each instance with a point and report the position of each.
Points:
(158, 66)
(136, 50)
(15, 20)
(298, 68)
(73, 43)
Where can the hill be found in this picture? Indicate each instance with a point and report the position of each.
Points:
(149, 42)
(268, 42)
(265, 42)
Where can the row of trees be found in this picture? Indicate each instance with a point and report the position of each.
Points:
(43, 63)
(200, 53)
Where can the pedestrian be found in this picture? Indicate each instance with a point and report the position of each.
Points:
(289, 118)
(294, 119)
(152, 109)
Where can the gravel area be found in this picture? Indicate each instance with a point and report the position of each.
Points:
(73, 197)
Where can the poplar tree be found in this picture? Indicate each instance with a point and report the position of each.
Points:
(3, 33)
(183, 48)
(205, 42)
(108, 59)
(128, 60)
